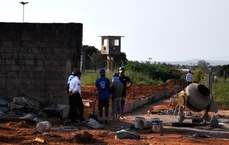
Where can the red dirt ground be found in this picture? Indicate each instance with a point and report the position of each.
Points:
(25, 133)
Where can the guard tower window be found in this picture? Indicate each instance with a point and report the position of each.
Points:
(116, 42)
(105, 42)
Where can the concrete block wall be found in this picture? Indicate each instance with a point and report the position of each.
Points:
(36, 59)
(136, 104)
(131, 106)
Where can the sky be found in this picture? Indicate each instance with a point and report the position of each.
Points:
(156, 30)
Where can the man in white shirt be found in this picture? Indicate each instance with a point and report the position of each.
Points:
(75, 101)
(71, 76)
(189, 77)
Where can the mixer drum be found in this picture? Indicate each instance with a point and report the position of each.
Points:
(198, 97)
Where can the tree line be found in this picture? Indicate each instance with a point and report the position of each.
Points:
(93, 60)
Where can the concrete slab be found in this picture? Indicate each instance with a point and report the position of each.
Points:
(168, 120)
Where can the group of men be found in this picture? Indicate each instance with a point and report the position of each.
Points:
(114, 90)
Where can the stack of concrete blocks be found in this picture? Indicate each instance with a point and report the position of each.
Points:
(36, 59)
(131, 106)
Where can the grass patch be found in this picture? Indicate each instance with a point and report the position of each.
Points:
(136, 78)
(221, 93)
(90, 78)
(141, 79)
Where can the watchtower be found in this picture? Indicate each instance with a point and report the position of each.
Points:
(110, 46)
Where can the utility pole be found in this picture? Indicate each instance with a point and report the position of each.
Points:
(23, 3)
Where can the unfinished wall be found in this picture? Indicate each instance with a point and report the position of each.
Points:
(36, 59)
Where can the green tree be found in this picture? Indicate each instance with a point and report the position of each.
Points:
(199, 75)
(99, 60)
(94, 60)
(89, 61)
(203, 64)
(161, 72)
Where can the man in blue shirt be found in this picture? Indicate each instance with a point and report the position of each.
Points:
(103, 87)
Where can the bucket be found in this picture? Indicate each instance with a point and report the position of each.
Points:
(147, 123)
(141, 122)
(157, 125)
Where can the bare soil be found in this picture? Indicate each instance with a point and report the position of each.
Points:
(24, 132)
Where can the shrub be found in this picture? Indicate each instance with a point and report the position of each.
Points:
(220, 93)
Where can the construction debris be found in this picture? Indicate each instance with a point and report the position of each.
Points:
(124, 134)
(40, 140)
(21, 105)
(43, 126)
(94, 124)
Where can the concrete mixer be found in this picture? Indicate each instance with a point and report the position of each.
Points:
(197, 98)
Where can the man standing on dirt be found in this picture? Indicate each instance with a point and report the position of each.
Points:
(126, 83)
(75, 101)
(116, 93)
(103, 86)
(189, 77)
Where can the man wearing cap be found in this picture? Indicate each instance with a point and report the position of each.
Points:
(71, 76)
(103, 87)
(75, 101)
(126, 83)
(116, 95)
